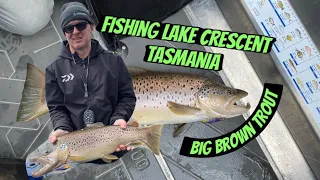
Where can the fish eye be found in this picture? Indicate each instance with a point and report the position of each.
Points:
(46, 152)
(229, 93)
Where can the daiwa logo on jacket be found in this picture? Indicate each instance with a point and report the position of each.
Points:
(67, 77)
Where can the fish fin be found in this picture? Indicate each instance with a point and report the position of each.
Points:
(133, 123)
(182, 109)
(135, 144)
(152, 140)
(77, 158)
(106, 160)
(97, 124)
(33, 102)
(182, 129)
(109, 157)
(135, 70)
(138, 144)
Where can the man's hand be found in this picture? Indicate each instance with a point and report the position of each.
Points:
(123, 124)
(53, 136)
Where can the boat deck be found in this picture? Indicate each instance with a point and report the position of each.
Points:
(19, 139)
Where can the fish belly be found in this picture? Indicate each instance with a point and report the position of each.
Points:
(86, 153)
(163, 115)
(95, 144)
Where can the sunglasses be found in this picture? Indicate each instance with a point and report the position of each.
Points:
(80, 26)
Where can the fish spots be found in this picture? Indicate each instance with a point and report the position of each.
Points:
(154, 90)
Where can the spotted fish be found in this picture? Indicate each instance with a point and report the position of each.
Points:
(172, 98)
(95, 142)
(162, 98)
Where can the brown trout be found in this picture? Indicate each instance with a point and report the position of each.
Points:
(96, 142)
(162, 98)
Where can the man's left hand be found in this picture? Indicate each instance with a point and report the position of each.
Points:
(123, 124)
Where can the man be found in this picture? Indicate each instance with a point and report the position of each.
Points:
(85, 83)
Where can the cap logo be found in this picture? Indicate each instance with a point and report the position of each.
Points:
(79, 13)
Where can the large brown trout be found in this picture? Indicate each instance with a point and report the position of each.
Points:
(96, 142)
(162, 98)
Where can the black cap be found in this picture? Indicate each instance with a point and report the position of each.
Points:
(74, 11)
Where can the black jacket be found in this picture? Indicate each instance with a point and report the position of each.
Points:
(110, 87)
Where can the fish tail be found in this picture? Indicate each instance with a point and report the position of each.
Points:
(152, 140)
(33, 102)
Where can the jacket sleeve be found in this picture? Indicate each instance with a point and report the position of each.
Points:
(126, 95)
(55, 102)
